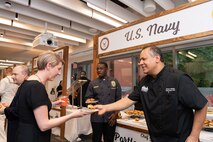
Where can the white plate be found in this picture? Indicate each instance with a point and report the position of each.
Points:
(91, 102)
(210, 109)
(89, 110)
(208, 128)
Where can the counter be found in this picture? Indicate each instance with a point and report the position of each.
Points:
(129, 130)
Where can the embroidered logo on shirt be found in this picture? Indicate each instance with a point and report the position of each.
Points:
(144, 89)
(170, 90)
(113, 83)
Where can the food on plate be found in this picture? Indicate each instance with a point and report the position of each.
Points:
(91, 99)
(211, 123)
(137, 119)
(208, 123)
(90, 106)
(65, 100)
(134, 112)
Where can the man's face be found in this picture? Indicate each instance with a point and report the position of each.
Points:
(18, 75)
(101, 70)
(148, 61)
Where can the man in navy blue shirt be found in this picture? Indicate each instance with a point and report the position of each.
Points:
(105, 90)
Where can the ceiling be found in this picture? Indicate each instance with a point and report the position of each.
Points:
(73, 16)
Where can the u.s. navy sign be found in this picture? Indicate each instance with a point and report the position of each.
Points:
(189, 21)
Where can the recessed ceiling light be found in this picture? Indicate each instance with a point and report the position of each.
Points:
(7, 4)
(93, 31)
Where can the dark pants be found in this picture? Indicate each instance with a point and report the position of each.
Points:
(104, 129)
(12, 127)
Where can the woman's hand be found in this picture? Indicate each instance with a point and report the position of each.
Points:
(79, 113)
(2, 107)
(57, 103)
(101, 109)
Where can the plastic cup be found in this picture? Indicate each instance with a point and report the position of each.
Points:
(65, 101)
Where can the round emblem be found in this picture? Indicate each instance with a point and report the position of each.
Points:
(104, 43)
(113, 83)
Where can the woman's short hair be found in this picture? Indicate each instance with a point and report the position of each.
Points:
(48, 57)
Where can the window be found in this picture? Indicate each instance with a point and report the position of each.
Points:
(121, 69)
(198, 63)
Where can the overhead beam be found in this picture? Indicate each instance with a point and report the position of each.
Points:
(165, 4)
(44, 10)
(137, 5)
(18, 30)
(103, 4)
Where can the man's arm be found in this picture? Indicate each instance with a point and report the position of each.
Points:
(116, 106)
(199, 118)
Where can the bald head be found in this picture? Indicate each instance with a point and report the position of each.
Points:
(20, 73)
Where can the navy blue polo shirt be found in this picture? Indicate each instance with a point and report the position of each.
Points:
(168, 102)
(106, 90)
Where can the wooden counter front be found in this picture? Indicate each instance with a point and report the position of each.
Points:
(139, 126)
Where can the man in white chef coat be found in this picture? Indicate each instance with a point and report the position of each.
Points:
(7, 92)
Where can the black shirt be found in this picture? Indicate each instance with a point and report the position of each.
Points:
(32, 95)
(168, 102)
(11, 114)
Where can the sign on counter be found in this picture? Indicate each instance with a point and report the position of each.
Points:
(127, 135)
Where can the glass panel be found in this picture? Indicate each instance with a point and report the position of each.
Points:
(168, 59)
(198, 63)
(121, 69)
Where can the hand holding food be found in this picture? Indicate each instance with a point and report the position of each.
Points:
(91, 101)
(208, 123)
(2, 107)
(90, 106)
(65, 101)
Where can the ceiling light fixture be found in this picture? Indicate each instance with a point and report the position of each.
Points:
(191, 0)
(149, 6)
(5, 64)
(11, 62)
(2, 67)
(62, 29)
(189, 56)
(106, 12)
(192, 54)
(5, 21)
(69, 37)
(16, 16)
(106, 19)
(7, 4)
(11, 22)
